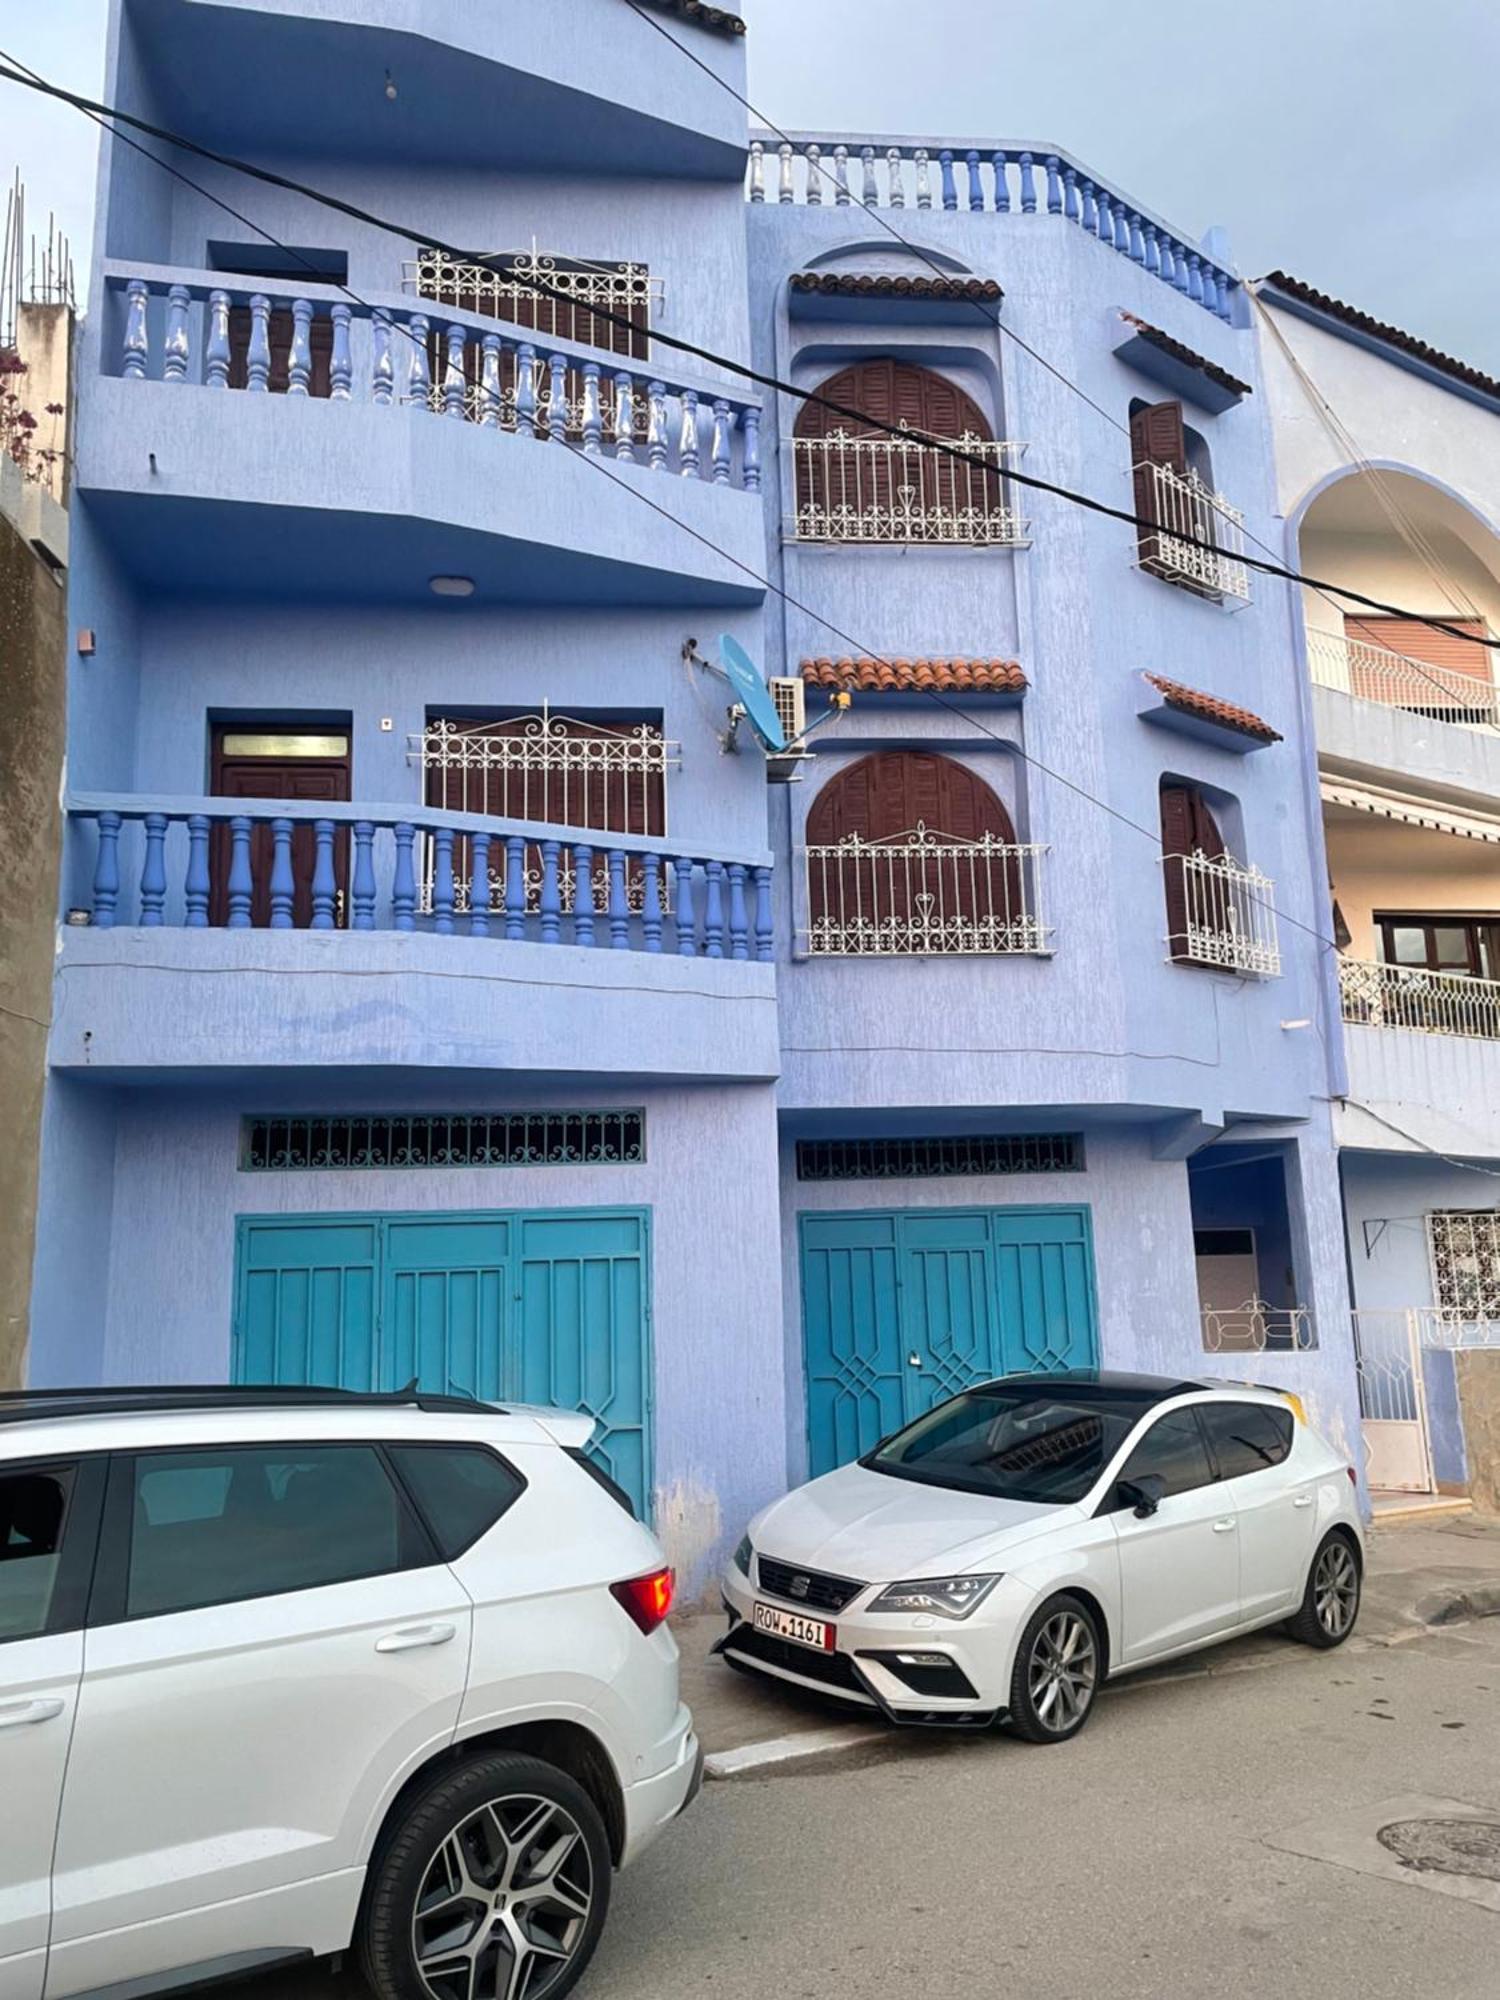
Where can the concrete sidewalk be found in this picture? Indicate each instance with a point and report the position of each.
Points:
(1421, 1573)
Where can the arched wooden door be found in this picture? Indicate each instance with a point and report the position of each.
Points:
(1197, 900)
(912, 853)
(857, 483)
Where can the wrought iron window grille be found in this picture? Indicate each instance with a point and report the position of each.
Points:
(939, 1158)
(312, 1144)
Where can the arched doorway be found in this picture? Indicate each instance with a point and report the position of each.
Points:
(912, 853)
(855, 482)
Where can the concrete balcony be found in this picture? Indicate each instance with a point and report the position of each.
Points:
(283, 442)
(1424, 1058)
(445, 81)
(272, 935)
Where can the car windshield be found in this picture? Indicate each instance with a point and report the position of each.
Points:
(1013, 1441)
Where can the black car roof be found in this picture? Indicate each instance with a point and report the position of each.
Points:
(1109, 1385)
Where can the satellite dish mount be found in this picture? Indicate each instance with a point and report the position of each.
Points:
(752, 701)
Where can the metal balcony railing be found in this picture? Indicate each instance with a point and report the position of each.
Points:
(923, 894)
(1226, 912)
(1255, 1328)
(1374, 673)
(898, 489)
(1180, 505)
(1426, 1003)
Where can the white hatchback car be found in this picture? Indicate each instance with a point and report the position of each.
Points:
(1008, 1551)
(286, 1673)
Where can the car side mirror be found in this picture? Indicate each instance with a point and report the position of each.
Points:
(1144, 1495)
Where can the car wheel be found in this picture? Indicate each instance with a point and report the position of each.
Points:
(1330, 1603)
(1056, 1675)
(492, 1885)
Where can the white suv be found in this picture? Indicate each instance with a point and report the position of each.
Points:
(281, 1673)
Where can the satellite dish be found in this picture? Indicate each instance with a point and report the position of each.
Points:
(752, 694)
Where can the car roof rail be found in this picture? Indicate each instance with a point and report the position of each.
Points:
(126, 1399)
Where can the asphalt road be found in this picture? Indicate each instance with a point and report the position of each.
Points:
(1134, 1863)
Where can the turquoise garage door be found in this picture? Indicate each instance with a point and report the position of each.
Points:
(901, 1308)
(528, 1306)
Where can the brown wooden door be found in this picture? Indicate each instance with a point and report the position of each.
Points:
(915, 813)
(893, 393)
(1188, 827)
(1157, 437)
(240, 774)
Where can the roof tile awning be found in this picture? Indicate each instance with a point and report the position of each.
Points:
(1155, 353)
(1215, 715)
(887, 284)
(1411, 810)
(867, 676)
(1301, 293)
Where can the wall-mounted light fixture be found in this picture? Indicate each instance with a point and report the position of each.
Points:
(451, 586)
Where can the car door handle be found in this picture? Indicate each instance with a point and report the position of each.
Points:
(19, 1715)
(1224, 1527)
(411, 1637)
(1303, 1500)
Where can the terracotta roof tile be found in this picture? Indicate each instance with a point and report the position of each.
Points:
(1393, 336)
(888, 285)
(1186, 355)
(705, 17)
(867, 676)
(1209, 708)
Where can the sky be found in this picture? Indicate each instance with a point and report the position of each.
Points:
(1350, 142)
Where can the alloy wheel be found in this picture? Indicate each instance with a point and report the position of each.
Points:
(1063, 1671)
(1336, 1589)
(504, 1903)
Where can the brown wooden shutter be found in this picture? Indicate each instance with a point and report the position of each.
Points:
(1187, 827)
(891, 393)
(1157, 437)
(279, 336)
(1444, 652)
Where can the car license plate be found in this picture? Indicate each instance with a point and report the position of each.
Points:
(792, 1625)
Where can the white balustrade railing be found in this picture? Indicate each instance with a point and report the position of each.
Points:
(905, 489)
(1180, 505)
(1226, 913)
(1426, 1003)
(1256, 1327)
(819, 170)
(1375, 673)
(924, 893)
(199, 333)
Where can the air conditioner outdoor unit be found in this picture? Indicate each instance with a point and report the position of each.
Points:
(790, 697)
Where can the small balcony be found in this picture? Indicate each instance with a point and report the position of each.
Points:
(925, 894)
(1222, 914)
(416, 936)
(1179, 505)
(1376, 674)
(1257, 1328)
(1418, 1000)
(906, 490)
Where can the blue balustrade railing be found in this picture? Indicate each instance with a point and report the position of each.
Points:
(309, 342)
(819, 171)
(284, 864)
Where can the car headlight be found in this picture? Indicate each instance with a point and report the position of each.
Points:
(744, 1558)
(947, 1596)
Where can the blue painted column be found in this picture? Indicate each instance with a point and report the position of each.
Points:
(283, 887)
(216, 351)
(550, 906)
(479, 885)
(750, 470)
(593, 418)
(154, 872)
(442, 881)
(619, 905)
(363, 885)
(949, 185)
(418, 366)
(739, 920)
(515, 888)
(299, 361)
(687, 451)
(765, 936)
(325, 886)
(196, 883)
(624, 417)
(340, 358)
(241, 884)
(713, 910)
(107, 871)
(651, 901)
(404, 881)
(527, 424)
(136, 343)
(175, 351)
(258, 353)
(687, 936)
(583, 895)
(382, 368)
(557, 398)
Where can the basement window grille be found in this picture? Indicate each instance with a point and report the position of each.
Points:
(273, 1145)
(938, 1159)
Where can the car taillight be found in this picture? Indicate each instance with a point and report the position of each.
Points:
(648, 1599)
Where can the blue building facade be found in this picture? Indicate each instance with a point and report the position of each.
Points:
(449, 987)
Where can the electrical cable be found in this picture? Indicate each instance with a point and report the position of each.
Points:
(32, 81)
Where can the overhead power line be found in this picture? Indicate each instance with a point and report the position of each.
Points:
(408, 234)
